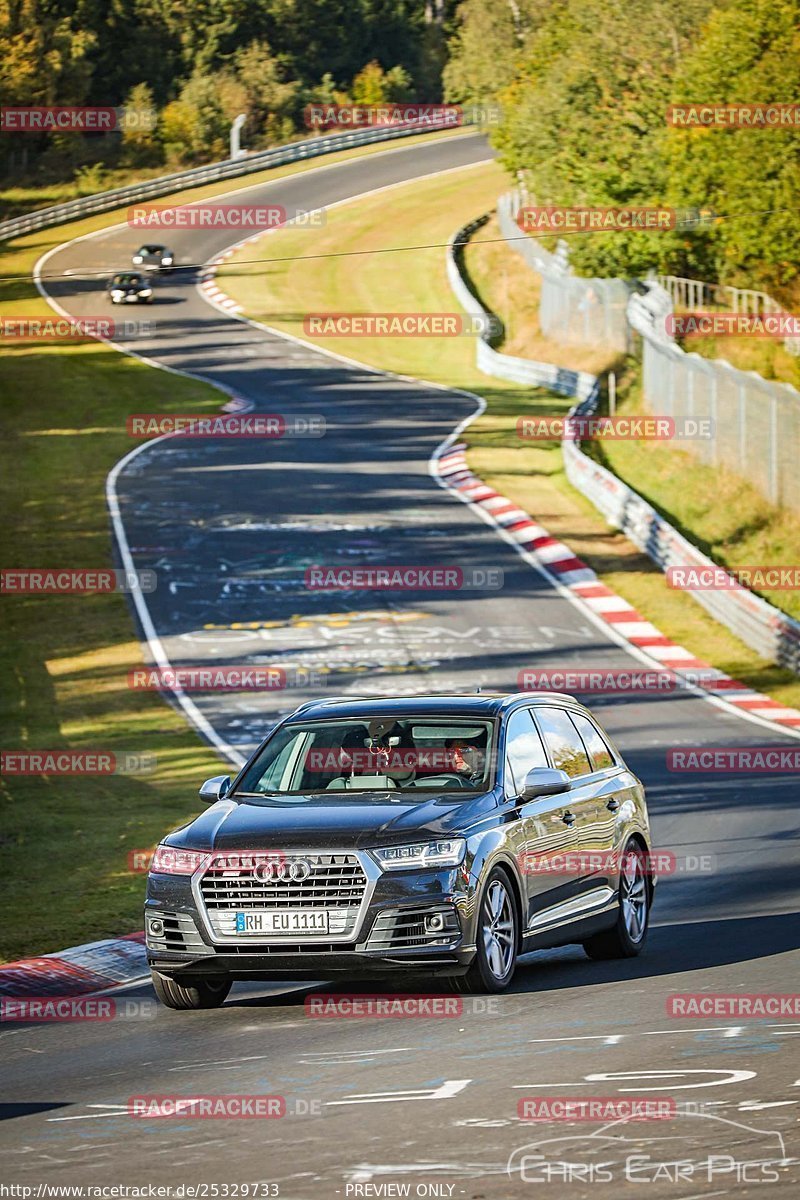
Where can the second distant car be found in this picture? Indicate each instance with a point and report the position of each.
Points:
(153, 258)
(129, 287)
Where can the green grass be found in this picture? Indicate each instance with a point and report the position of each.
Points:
(64, 841)
(531, 474)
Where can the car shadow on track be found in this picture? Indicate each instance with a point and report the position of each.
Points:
(671, 950)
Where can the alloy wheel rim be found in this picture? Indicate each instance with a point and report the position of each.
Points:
(499, 932)
(633, 895)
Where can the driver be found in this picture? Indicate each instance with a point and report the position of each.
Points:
(468, 759)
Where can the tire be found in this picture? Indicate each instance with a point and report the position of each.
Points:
(203, 993)
(497, 939)
(628, 936)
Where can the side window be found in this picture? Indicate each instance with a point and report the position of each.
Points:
(598, 751)
(524, 750)
(566, 748)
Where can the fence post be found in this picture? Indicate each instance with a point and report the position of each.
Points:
(773, 450)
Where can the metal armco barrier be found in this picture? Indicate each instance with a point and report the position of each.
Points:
(505, 366)
(163, 185)
(759, 624)
(572, 309)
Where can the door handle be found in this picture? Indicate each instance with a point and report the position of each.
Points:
(612, 805)
(568, 818)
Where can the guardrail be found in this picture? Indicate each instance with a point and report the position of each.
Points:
(770, 632)
(163, 185)
(506, 366)
(572, 308)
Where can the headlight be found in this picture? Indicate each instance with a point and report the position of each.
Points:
(170, 860)
(167, 260)
(116, 293)
(446, 853)
(146, 292)
(137, 258)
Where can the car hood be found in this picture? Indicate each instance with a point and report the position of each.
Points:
(309, 822)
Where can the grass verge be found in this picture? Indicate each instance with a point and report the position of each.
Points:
(279, 293)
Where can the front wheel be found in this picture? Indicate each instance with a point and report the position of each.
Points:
(497, 939)
(628, 936)
(202, 993)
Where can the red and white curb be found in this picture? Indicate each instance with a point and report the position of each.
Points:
(207, 285)
(77, 971)
(571, 572)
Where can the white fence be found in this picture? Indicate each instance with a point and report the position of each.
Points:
(163, 185)
(694, 294)
(754, 423)
(759, 624)
(573, 309)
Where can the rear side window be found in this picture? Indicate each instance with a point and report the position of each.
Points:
(595, 744)
(562, 740)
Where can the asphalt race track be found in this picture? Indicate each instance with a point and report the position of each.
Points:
(430, 1104)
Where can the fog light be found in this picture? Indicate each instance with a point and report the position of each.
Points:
(155, 926)
(434, 923)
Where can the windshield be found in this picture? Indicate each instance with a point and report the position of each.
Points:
(124, 280)
(408, 754)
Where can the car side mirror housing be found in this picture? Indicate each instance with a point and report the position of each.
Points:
(544, 781)
(216, 788)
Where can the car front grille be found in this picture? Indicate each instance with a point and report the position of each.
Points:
(336, 883)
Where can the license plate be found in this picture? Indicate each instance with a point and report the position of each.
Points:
(290, 920)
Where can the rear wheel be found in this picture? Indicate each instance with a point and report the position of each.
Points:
(629, 934)
(497, 940)
(200, 993)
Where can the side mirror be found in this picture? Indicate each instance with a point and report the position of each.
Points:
(216, 788)
(544, 781)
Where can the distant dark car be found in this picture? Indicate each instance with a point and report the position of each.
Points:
(130, 287)
(432, 836)
(153, 258)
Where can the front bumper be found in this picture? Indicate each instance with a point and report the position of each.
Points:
(410, 921)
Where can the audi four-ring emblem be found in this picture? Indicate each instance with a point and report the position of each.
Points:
(283, 871)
